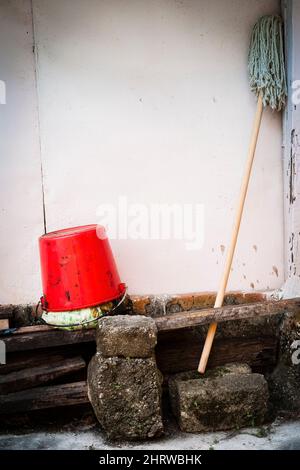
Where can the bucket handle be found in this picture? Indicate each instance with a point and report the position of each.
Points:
(105, 314)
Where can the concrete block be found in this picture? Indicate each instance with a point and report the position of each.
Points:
(284, 381)
(126, 396)
(126, 336)
(227, 397)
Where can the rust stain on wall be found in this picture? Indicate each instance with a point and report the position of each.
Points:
(275, 270)
(292, 170)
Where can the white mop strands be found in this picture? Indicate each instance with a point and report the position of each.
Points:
(266, 62)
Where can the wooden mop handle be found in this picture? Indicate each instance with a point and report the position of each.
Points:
(220, 296)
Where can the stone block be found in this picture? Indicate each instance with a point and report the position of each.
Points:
(126, 396)
(284, 381)
(227, 397)
(126, 336)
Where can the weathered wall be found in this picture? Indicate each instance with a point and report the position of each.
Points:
(20, 181)
(292, 145)
(150, 100)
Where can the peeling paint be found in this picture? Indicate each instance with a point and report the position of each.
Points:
(291, 169)
(275, 270)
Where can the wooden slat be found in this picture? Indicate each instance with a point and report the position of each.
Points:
(33, 329)
(44, 397)
(228, 313)
(23, 360)
(4, 324)
(179, 351)
(6, 311)
(39, 337)
(35, 376)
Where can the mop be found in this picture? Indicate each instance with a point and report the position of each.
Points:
(268, 82)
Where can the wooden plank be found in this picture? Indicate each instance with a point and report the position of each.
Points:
(33, 329)
(228, 313)
(44, 397)
(25, 359)
(179, 351)
(35, 376)
(6, 311)
(39, 337)
(4, 324)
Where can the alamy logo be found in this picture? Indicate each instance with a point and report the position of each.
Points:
(2, 92)
(134, 221)
(295, 347)
(2, 352)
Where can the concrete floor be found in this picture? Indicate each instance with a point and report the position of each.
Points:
(279, 435)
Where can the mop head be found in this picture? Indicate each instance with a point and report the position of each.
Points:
(266, 62)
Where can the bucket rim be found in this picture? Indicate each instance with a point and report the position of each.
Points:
(70, 231)
(122, 289)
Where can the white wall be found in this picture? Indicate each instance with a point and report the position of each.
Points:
(150, 100)
(20, 182)
(291, 146)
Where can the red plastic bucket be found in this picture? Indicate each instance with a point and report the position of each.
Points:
(78, 269)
